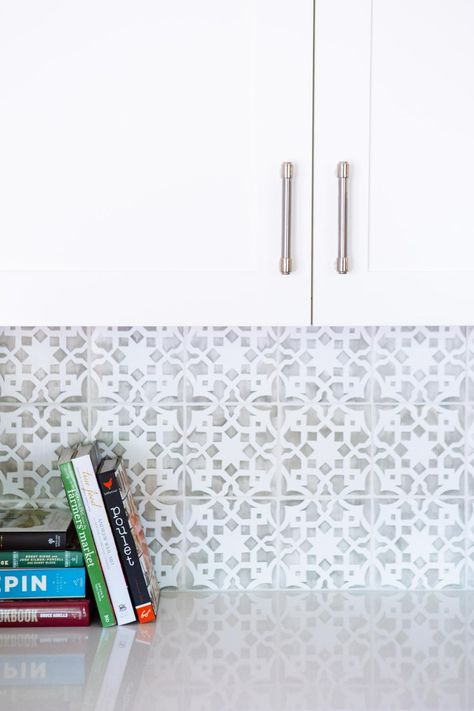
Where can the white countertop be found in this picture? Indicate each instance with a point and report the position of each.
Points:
(280, 651)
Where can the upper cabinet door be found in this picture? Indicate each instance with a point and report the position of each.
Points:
(394, 98)
(141, 143)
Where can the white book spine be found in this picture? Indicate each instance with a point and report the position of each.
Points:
(104, 540)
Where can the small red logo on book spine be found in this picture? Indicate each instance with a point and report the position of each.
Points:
(108, 484)
(145, 613)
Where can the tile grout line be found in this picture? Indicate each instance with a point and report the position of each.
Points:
(9, 405)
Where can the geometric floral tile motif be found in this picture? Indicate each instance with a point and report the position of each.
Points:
(325, 364)
(137, 364)
(326, 450)
(420, 543)
(325, 544)
(231, 450)
(232, 364)
(150, 440)
(31, 438)
(419, 450)
(163, 524)
(231, 544)
(43, 364)
(420, 364)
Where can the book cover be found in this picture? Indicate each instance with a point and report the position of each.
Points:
(86, 541)
(34, 528)
(129, 538)
(44, 613)
(86, 463)
(41, 559)
(20, 583)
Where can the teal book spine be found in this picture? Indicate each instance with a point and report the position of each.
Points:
(21, 583)
(41, 559)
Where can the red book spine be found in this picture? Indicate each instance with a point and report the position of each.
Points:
(44, 613)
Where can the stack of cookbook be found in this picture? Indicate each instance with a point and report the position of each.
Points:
(42, 576)
(110, 535)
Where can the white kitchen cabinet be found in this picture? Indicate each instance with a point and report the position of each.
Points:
(394, 98)
(140, 151)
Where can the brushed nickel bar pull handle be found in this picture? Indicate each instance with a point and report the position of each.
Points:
(285, 260)
(342, 263)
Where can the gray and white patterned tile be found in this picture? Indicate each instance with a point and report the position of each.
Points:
(43, 365)
(326, 450)
(150, 440)
(137, 364)
(231, 544)
(31, 438)
(232, 364)
(163, 525)
(326, 364)
(420, 364)
(420, 543)
(325, 544)
(420, 450)
(231, 450)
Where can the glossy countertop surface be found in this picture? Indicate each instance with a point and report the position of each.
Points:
(291, 651)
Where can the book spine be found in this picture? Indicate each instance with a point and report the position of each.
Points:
(86, 541)
(139, 534)
(32, 540)
(103, 539)
(126, 547)
(42, 613)
(42, 582)
(41, 559)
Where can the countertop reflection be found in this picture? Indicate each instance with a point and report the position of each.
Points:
(288, 651)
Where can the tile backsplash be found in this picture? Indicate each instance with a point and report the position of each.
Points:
(262, 457)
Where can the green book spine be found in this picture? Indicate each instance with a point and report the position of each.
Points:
(41, 559)
(91, 560)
